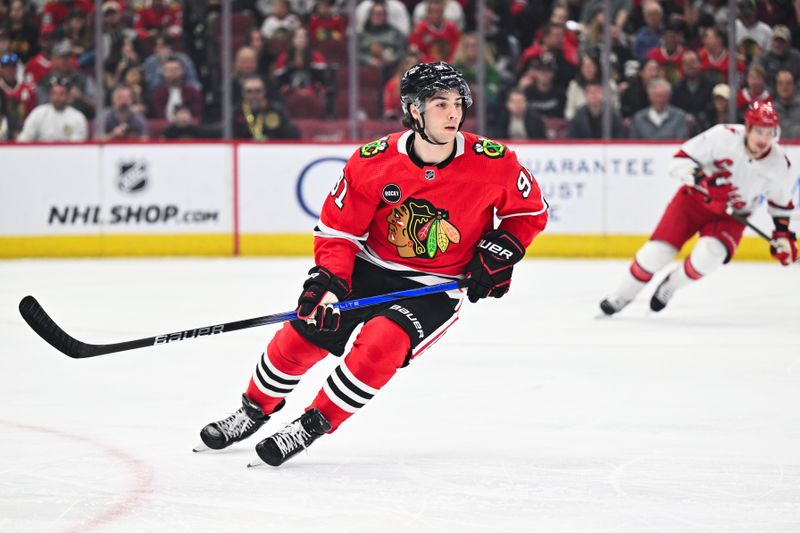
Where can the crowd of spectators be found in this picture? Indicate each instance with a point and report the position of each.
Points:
(162, 65)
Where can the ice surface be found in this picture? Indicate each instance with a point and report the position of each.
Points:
(530, 415)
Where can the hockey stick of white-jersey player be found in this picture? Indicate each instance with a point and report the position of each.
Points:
(47, 329)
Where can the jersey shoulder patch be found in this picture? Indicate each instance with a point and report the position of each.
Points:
(485, 147)
(374, 148)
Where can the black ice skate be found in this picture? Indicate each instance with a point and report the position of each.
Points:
(297, 436)
(238, 426)
(612, 305)
(663, 294)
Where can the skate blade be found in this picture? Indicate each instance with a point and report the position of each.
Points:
(200, 448)
(256, 463)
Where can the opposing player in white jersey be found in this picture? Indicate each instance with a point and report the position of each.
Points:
(724, 170)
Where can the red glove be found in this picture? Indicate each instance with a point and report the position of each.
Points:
(720, 194)
(783, 247)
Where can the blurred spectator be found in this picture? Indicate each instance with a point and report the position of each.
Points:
(264, 56)
(281, 23)
(174, 92)
(714, 56)
(693, 92)
(62, 68)
(39, 65)
(22, 33)
(391, 90)
(588, 73)
(660, 120)
(504, 45)
(300, 68)
(649, 35)
(634, 96)
(591, 42)
(453, 12)
(720, 96)
(551, 45)
(434, 37)
(518, 120)
(588, 120)
(20, 96)
(163, 50)
(754, 91)
(748, 51)
(115, 31)
(780, 56)
(466, 61)
(182, 125)
(5, 130)
(120, 122)
(157, 17)
(326, 25)
(380, 44)
(749, 27)
(559, 15)
(670, 53)
(245, 66)
(540, 89)
(55, 12)
(114, 67)
(258, 118)
(132, 77)
(77, 32)
(302, 8)
(397, 14)
(787, 105)
(620, 9)
(55, 121)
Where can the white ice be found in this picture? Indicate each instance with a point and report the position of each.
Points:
(531, 415)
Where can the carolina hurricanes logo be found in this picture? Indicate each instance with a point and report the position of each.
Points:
(418, 229)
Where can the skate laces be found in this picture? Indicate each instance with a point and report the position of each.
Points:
(291, 437)
(238, 422)
(665, 291)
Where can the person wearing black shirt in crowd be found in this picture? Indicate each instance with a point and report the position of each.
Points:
(258, 118)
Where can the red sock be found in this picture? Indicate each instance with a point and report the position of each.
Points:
(280, 368)
(378, 351)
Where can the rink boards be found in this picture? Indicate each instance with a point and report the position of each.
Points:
(263, 199)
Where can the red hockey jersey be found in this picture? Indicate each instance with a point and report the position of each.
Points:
(425, 220)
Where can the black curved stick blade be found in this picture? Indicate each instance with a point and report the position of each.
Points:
(46, 328)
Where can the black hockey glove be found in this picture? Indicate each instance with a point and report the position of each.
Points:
(320, 290)
(490, 270)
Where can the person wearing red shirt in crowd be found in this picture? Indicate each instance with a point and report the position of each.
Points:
(391, 90)
(55, 12)
(325, 25)
(434, 37)
(714, 56)
(569, 45)
(20, 96)
(158, 17)
(755, 90)
(174, 92)
(550, 45)
(39, 65)
(670, 53)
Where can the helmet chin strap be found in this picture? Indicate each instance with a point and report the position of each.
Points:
(421, 130)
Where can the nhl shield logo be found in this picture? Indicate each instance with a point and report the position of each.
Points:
(132, 176)
(430, 174)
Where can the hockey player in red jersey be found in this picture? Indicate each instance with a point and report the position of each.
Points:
(724, 170)
(411, 209)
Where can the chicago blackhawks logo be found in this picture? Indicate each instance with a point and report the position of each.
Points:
(374, 148)
(418, 229)
(489, 148)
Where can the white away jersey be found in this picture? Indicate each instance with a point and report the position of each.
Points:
(720, 151)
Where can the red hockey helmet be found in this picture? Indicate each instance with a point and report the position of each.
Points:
(761, 114)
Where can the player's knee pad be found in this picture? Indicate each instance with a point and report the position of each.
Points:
(707, 255)
(653, 256)
(290, 350)
(381, 343)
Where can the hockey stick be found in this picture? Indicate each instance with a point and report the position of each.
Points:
(47, 329)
